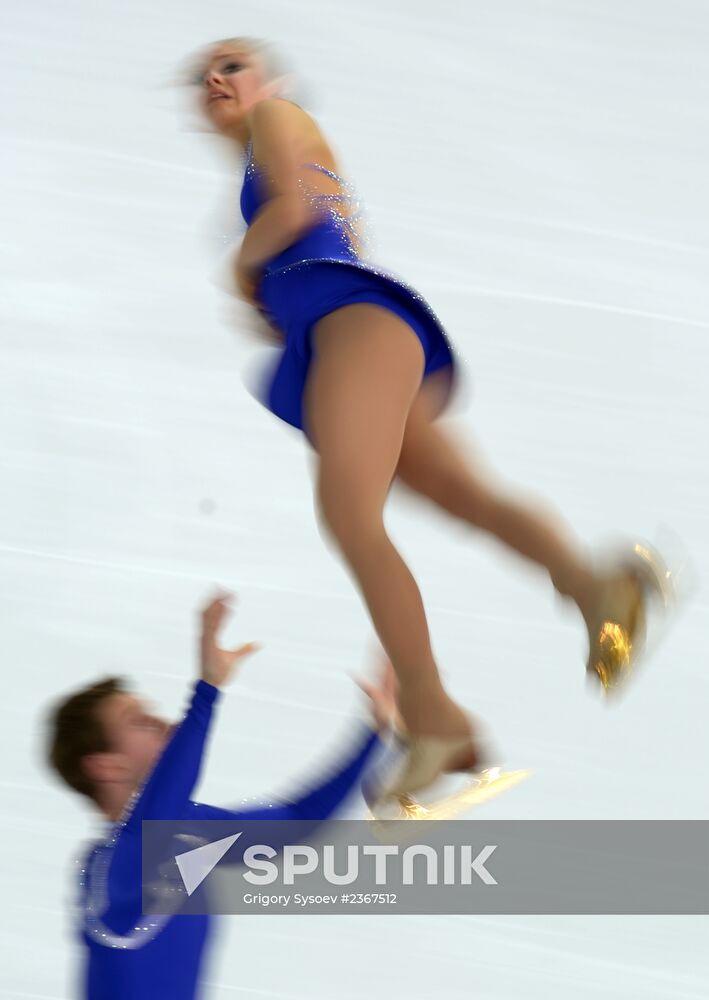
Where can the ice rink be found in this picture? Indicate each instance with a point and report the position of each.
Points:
(538, 169)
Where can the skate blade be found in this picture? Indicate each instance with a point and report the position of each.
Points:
(486, 785)
(615, 664)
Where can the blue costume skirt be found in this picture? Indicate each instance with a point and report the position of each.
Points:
(296, 296)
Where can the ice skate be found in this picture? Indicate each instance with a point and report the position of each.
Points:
(421, 761)
(486, 784)
(617, 629)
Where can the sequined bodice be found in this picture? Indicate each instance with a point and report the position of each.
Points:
(338, 231)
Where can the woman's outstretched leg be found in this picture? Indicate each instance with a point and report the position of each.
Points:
(436, 465)
(365, 374)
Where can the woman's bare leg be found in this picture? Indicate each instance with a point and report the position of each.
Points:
(436, 465)
(366, 373)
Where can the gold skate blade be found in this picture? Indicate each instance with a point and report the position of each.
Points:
(487, 784)
(614, 666)
(618, 639)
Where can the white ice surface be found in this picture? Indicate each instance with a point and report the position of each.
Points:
(538, 169)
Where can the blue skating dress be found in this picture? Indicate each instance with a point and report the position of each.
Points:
(322, 272)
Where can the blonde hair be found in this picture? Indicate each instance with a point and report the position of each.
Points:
(276, 68)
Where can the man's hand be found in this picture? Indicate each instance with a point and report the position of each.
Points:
(217, 664)
(382, 696)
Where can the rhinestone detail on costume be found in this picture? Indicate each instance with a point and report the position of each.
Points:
(93, 884)
(350, 232)
(350, 220)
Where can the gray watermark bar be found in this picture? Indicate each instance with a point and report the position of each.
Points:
(418, 866)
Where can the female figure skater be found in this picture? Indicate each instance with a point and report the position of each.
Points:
(365, 370)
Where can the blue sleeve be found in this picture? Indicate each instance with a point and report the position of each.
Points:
(317, 804)
(166, 794)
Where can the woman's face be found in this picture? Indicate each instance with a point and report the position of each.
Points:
(231, 82)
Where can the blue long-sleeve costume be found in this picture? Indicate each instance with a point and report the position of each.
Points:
(131, 957)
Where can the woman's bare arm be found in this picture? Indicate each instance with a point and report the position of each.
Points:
(284, 140)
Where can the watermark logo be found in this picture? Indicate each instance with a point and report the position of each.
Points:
(448, 865)
(422, 867)
(195, 865)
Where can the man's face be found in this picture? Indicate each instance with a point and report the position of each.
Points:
(135, 736)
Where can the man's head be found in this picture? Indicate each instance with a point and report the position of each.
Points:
(103, 742)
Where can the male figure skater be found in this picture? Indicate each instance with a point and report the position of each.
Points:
(135, 767)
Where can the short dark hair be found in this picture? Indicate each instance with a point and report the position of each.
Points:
(75, 730)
